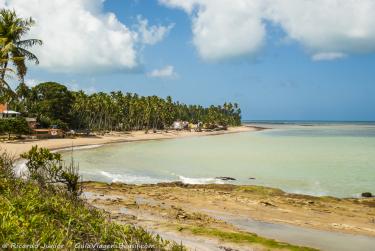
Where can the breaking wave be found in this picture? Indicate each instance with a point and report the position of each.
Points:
(129, 178)
(76, 148)
(188, 180)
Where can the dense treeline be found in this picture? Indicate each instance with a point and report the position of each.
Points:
(53, 103)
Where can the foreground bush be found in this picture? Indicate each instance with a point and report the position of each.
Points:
(49, 171)
(34, 215)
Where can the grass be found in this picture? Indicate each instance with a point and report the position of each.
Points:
(260, 190)
(243, 238)
(33, 215)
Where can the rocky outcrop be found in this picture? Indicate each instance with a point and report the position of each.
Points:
(367, 195)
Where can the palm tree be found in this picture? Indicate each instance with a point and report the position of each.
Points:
(13, 46)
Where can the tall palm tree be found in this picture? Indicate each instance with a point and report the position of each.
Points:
(13, 46)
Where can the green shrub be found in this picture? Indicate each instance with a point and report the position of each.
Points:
(49, 170)
(44, 216)
(16, 126)
(31, 215)
(6, 165)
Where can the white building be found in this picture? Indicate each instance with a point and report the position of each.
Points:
(5, 113)
(180, 125)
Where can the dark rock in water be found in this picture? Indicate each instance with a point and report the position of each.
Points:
(225, 178)
(251, 178)
(366, 195)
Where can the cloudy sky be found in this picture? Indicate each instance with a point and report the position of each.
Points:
(279, 59)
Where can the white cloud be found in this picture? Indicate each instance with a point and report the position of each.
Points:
(79, 36)
(328, 29)
(74, 86)
(90, 90)
(151, 34)
(181, 4)
(327, 26)
(222, 30)
(165, 72)
(328, 56)
(32, 82)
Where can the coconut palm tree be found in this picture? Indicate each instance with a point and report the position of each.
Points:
(13, 47)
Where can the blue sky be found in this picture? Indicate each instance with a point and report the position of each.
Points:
(280, 80)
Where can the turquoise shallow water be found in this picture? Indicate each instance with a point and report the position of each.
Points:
(324, 159)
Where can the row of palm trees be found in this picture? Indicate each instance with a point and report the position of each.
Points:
(125, 112)
(14, 50)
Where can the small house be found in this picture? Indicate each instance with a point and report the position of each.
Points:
(5, 113)
(180, 125)
(31, 122)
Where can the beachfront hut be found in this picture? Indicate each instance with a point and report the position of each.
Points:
(5, 113)
(177, 125)
(31, 122)
(180, 125)
(48, 133)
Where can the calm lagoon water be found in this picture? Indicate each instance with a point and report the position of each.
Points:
(319, 159)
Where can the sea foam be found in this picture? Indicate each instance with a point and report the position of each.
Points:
(133, 179)
(188, 180)
(76, 148)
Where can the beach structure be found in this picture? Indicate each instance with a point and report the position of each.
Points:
(177, 125)
(196, 127)
(31, 122)
(5, 113)
(48, 133)
(180, 125)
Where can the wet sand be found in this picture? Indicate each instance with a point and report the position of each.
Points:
(190, 212)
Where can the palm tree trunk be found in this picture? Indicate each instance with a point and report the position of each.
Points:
(4, 68)
(3, 83)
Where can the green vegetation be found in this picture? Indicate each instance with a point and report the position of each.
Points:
(244, 237)
(118, 111)
(48, 170)
(34, 213)
(50, 102)
(266, 191)
(17, 126)
(53, 103)
(13, 48)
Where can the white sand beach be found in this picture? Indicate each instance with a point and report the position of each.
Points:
(18, 147)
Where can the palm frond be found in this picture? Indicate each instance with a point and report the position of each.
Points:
(5, 85)
(29, 43)
(29, 55)
(21, 69)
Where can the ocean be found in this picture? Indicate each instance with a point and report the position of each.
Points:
(315, 158)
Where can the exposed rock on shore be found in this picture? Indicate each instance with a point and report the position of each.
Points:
(367, 195)
(225, 178)
(186, 202)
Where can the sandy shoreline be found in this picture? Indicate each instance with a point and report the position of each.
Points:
(16, 148)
